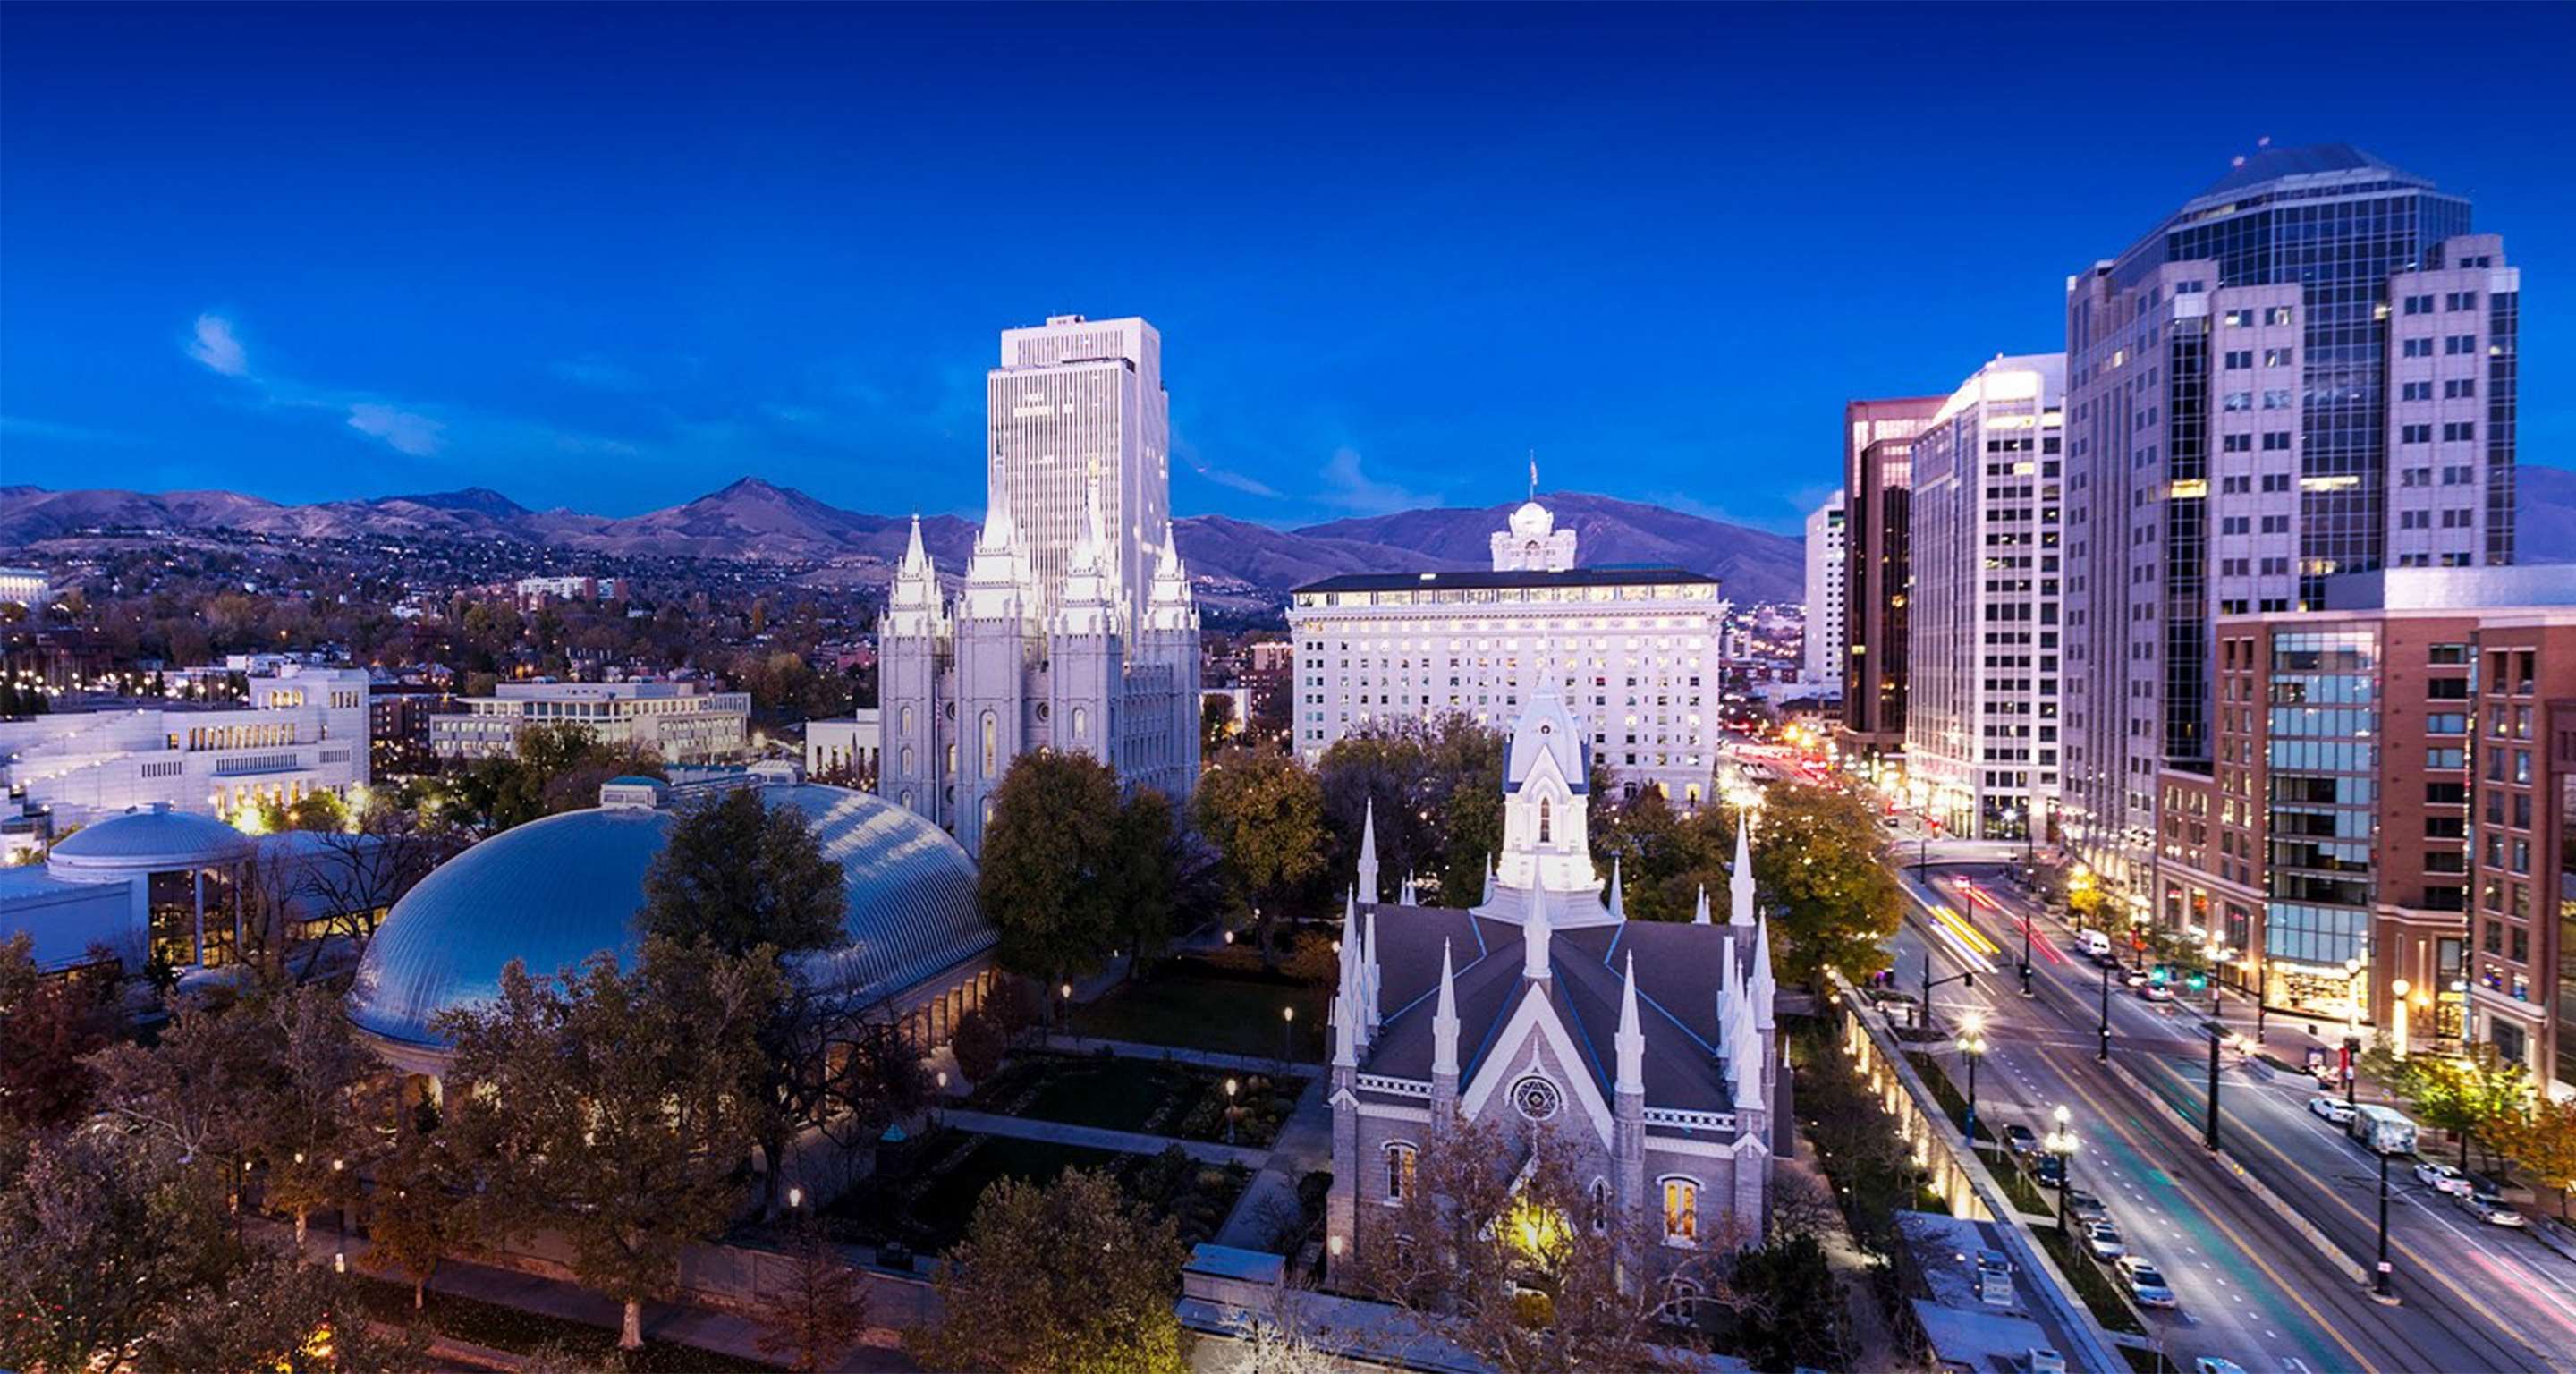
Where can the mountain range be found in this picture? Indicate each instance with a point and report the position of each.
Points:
(753, 519)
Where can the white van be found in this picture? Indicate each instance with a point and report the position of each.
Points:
(2093, 943)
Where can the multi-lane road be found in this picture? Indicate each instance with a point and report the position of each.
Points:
(2252, 1287)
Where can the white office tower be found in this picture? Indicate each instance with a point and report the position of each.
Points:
(1075, 628)
(1821, 660)
(1981, 711)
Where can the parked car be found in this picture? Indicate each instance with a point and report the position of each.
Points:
(2146, 1283)
(2334, 1109)
(2489, 1208)
(2085, 1205)
(1994, 1279)
(2441, 1178)
(2103, 1239)
(2050, 1172)
(2211, 1364)
(2136, 978)
(2042, 1360)
(2020, 1141)
(2156, 992)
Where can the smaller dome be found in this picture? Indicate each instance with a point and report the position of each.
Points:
(1532, 519)
(148, 840)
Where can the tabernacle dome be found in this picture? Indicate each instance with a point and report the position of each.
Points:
(553, 892)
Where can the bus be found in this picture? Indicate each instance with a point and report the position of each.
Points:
(2381, 1130)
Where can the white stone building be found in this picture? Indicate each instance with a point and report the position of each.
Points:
(302, 730)
(1503, 1014)
(32, 588)
(1982, 705)
(684, 722)
(1075, 627)
(1636, 653)
(1821, 651)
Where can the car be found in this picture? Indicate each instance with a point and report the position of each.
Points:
(2136, 978)
(2211, 1364)
(2489, 1208)
(2042, 1360)
(1994, 1279)
(2441, 1178)
(2146, 1282)
(2050, 1172)
(2103, 1239)
(2020, 1141)
(2334, 1109)
(2085, 1205)
(2156, 992)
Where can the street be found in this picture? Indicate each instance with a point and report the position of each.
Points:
(2251, 1288)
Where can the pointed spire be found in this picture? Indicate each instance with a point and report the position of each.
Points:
(1699, 914)
(1346, 1044)
(1740, 884)
(1618, 903)
(914, 556)
(1444, 1020)
(1764, 990)
(1370, 975)
(1534, 937)
(1489, 878)
(998, 532)
(1631, 1039)
(1368, 853)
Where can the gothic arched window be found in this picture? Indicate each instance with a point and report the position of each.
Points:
(992, 741)
(1681, 1210)
(1543, 820)
(1081, 722)
(1399, 1171)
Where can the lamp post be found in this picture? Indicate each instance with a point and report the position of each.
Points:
(1972, 1046)
(936, 1103)
(2029, 918)
(2209, 1131)
(2397, 990)
(2382, 1275)
(1064, 1006)
(339, 1220)
(1287, 1029)
(2103, 1052)
(2352, 1033)
(2061, 1143)
(1230, 1086)
(2217, 954)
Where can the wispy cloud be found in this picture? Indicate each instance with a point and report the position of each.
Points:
(1188, 453)
(27, 428)
(218, 348)
(417, 435)
(1348, 487)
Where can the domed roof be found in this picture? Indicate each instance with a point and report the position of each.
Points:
(553, 892)
(1532, 519)
(148, 840)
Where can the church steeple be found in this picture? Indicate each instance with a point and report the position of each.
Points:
(1740, 883)
(1534, 937)
(1368, 853)
(1444, 1020)
(1630, 1042)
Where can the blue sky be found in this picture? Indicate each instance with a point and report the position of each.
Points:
(615, 257)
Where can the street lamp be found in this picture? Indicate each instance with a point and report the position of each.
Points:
(2061, 1143)
(1972, 1046)
(939, 1101)
(2352, 1032)
(339, 1222)
(1064, 1006)
(2397, 990)
(1230, 1109)
(2103, 1052)
(1287, 1028)
(2217, 954)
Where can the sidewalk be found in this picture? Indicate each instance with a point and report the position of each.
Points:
(725, 1333)
(1179, 1054)
(1097, 1138)
(1305, 1144)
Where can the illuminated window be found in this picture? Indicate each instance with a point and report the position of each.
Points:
(1681, 1211)
(1399, 1171)
(1543, 814)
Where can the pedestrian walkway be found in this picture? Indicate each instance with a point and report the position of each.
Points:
(1098, 1138)
(1305, 1144)
(1178, 1054)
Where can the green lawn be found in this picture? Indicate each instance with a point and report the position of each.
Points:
(1189, 1004)
(927, 1197)
(1149, 1096)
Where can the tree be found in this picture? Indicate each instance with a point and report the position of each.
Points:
(1662, 859)
(47, 1024)
(2543, 1140)
(616, 1108)
(1265, 811)
(1065, 1278)
(2477, 1095)
(1147, 856)
(204, 1091)
(1050, 854)
(273, 1314)
(979, 1044)
(102, 1237)
(352, 875)
(419, 1212)
(1816, 860)
(739, 873)
(303, 1122)
(822, 1308)
(1518, 1265)
(1787, 1306)
(1217, 724)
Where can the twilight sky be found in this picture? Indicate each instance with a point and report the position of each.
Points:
(615, 257)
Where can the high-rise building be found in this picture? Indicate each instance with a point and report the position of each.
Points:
(2309, 369)
(1982, 695)
(1878, 437)
(1076, 403)
(1075, 628)
(1637, 653)
(1820, 655)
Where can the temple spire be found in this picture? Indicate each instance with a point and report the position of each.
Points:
(1740, 884)
(1699, 914)
(914, 556)
(1618, 903)
(1444, 1020)
(1368, 853)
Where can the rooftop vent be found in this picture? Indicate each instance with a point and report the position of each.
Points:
(632, 794)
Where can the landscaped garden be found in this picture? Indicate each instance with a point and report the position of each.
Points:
(926, 1189)
(534, 1333)
(1223, 1004)
(1153, 1097)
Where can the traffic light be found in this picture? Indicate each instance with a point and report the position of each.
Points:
(2197, 982)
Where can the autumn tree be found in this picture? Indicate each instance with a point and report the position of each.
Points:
(102, 1238)
(271, 1314)
(1816, 863)
(421, 1211)
(1064, 1278)
(1265, 813)
(820, 1309)
(47, 1024)
(2476, 1097)
(1050, 856)
(615, 1108)
(2543, 1140)
(1506, 1251)
(305, 1125)
(1148, 852)
(351, 875)
(1787, 1305)
(1437, 787)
